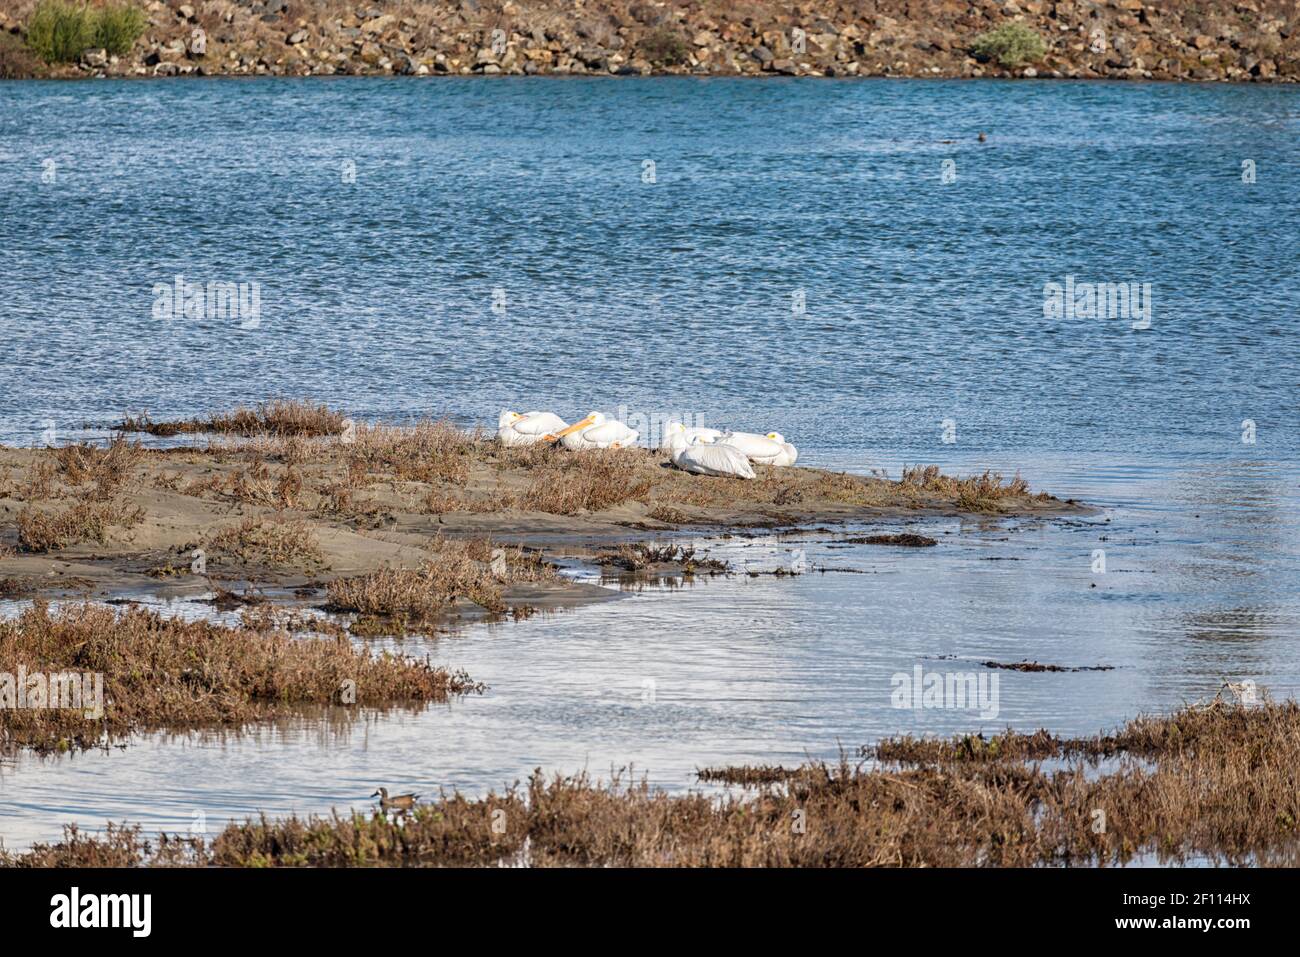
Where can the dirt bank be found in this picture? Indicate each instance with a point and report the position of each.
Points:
(1248, 40)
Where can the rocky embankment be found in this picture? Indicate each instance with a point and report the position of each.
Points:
(1251, 40)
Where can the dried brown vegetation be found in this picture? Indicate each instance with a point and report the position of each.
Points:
(165, 673)
(456, 568)
(587, 481)
(280, 417)
(1216, 783)
(43, 531)
(977, 493)
(640, 556)
(276, 541)
(102, 471)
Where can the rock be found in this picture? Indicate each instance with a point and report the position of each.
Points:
(298, 36)
(95, 57)
(784, 66)
(762, 54)
(1203, 42)
(378, 24)
(1031, 72)
(186, 11)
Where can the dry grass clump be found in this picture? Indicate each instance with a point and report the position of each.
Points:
(661, 512)
(1008, 746)
(11, 588)
(419, 593)
(456, 568)
(41, 531)
(91, 476)
(40, 482)
(976, 493)
(164, 672)
(117, 846)
(641, 555)
(255, 485)
(455, 831)
(778, 488)
(280, 417)
(424, 452)
(587, 481)
(748, 775)
(105, 470)
(443, 501)
(275, 541)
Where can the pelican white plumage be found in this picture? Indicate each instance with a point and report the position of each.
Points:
(770, 449)
(677, 436)
(709, 458)
(597, 432)
(528, 428)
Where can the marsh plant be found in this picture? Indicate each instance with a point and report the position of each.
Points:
(1217, 782)
(161, 672)
(60, 32)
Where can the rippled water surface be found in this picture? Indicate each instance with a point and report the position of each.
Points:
(924, 302)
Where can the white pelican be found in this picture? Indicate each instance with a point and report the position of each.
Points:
(677, 436)
(597, 432)
(770, 449)
(707, 458)
(528, 428)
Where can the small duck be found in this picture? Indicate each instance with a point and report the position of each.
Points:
(398, 802)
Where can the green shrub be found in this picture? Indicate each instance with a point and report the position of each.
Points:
(1010, 44)
(118, 26)
(59, 32)
(664, 47)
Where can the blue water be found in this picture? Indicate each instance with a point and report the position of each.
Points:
(924, 303)
(924, 300)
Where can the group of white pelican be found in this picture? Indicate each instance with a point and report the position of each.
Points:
(692, 449)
